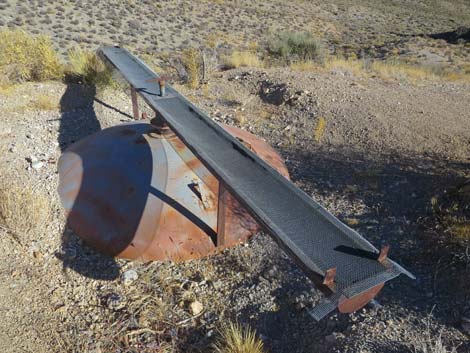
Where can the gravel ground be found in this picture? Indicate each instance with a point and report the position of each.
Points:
(388, 147)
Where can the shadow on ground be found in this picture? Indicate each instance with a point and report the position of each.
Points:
(78, 120)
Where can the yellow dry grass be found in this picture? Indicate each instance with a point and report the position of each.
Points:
(87, 66)
(356, 67)
(238, 339)
(192, 63)
(320, 129)
(396, 70)
(461, 231)
(386, 70)
(44, 102)
(27, 58)
(305, 66)
(7, 89)
(23, 210)
(242, 58)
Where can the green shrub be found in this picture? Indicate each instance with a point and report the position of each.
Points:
(27, 58)
(295, 46)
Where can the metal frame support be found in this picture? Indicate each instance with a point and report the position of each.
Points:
(329, 278)
(135, 104)
(383, 253)
(221, 213)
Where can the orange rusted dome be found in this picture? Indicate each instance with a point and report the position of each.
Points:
(135, 191)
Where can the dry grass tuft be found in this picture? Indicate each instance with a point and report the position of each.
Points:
(237, 339)
(191, 60)
(396, 70)
(23, 210)
(461, 231)
(242, 58)
(386, 70)
(86, 66)
(429, 342)
(320, 129)
(44, 102)
(355, 67)
(27, 58)
(7, 89)
(307, 66)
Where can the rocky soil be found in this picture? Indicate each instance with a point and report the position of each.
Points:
(386, 150)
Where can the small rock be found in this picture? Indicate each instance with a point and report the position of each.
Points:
(37, 165)
(196, 307)
(115, 302)
(129, 276)
(330, 339)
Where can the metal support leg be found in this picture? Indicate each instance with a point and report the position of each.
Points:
(221, 212)
(135, 106)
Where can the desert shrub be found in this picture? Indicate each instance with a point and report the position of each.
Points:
(295, 46)
(23, 209)
(87, 67)
(192, 62)
(238, 339)
(242, 58)
(27, 58)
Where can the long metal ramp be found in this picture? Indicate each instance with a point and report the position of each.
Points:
(339, 260)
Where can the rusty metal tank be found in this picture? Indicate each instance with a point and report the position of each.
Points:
(136, 191)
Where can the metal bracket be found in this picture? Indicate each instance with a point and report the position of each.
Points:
(135, 104)
(383, 253)
(329, 278)
(221, 213)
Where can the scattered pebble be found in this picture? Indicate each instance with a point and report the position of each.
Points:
(129, 277)
(196, 307)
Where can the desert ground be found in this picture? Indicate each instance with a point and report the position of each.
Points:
(387, 153)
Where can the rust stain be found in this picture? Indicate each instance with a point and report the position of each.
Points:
(173, 222)
(359, 301)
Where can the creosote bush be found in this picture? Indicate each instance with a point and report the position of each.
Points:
(27, 58)
(238, 339)
(295, 46)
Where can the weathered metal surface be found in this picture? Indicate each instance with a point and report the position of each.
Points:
(350, 305)
(312, 236)
(136, 191)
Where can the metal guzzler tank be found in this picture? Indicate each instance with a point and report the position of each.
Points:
(184, 187)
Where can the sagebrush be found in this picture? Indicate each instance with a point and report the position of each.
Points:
(296, 46)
